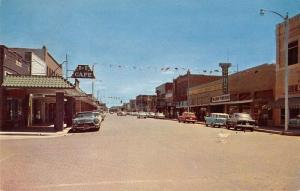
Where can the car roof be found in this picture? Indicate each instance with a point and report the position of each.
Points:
(220, 113)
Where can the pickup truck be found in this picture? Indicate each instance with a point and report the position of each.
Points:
(216, 119)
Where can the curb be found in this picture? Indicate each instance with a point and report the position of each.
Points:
(278, 132)
(65, 131)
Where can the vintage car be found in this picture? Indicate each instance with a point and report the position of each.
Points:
(187, 117)
(295, 122)
(151, 115)
(87, 120)
(216, 119)
(142, 115)
(160, 116)
(241, 121)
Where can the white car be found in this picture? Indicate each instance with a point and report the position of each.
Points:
(151, 115)
(142, 115)
(160, 116)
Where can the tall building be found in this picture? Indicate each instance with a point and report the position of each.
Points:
(293, 69)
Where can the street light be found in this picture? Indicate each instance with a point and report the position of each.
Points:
(286, 77)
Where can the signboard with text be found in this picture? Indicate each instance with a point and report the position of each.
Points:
(83, 71)
(222, 98)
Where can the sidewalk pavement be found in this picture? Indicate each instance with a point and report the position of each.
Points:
(36, 133)
(292, 131)
(274, 130)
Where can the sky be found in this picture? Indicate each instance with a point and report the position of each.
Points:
(137, 45)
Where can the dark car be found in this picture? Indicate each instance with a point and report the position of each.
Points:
(241, 121)
(187, 117)
(87, 120)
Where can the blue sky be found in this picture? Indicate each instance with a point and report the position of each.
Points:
(131, 40)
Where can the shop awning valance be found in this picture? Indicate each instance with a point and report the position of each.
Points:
(294, 102)
(35, 81)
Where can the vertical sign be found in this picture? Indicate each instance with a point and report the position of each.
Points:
(225, 67)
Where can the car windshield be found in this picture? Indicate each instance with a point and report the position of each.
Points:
(82, 115)
(244, 115)
(223, 116)
(190, 114)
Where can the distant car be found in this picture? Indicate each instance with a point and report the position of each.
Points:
(151, 115)
(142, 115)
(121, 113)
(241, 121)
(111, 112)
(216, 119)
(160, 116)
(188, 117)
(86, 120)
(295, 122)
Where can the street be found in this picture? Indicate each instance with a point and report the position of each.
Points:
(151, 154)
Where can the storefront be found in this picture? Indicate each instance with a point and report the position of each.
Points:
(39, 101)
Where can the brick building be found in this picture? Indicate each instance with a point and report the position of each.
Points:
(294, 70)
(146, 103)
(180, 88)
(164, 101)
(250, 91)
(34, 93)
(132, 105)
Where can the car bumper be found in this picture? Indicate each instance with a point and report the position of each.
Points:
(85, 127)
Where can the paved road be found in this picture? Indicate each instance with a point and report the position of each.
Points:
(148, 154)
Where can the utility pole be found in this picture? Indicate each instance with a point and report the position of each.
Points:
(67, 66)
(188, 93)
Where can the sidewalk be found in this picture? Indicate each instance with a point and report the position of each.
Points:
(274, 130)
(35, 132)
(279, 130)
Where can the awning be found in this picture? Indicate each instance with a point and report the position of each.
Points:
(294, 102)
(41, 84)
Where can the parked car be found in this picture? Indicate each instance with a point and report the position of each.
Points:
(159, 116)
(241, 121)
(86, 120)
(121, 113)
(187, 117)
(142, 115)
(295, 122)
(151, 115)
(216, 119)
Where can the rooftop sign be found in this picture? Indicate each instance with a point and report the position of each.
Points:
(83, 71)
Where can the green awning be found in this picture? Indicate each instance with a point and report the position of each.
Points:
(36, 81)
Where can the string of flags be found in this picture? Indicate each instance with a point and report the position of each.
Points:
(162, 69)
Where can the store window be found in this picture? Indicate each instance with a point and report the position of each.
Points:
(293, 53)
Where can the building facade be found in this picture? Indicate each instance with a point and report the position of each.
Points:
(250, 91)
(293, 70)
(34, 93)
(164, 102)
(181, 85)
(146, 103)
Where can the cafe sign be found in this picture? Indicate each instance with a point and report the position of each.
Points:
(83, 71)
(222, 98)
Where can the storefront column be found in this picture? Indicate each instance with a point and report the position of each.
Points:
(2, 107)
(70, 111)
(43, 112)
(59, 120)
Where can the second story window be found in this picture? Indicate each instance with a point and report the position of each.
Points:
(293, 53)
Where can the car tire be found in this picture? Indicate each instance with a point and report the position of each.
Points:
(234, 127)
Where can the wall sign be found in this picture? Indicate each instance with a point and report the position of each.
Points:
(222, 98)
(83, 71)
